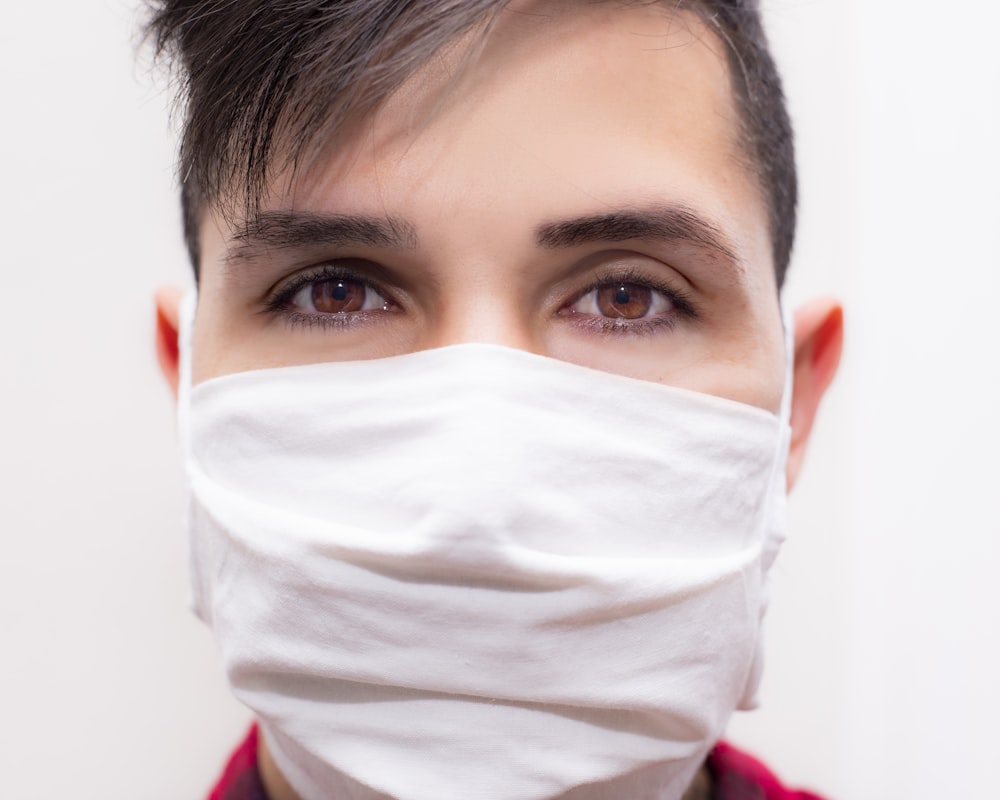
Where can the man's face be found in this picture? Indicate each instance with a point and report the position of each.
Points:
(576, 188)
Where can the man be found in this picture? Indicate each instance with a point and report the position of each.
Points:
(485, 403)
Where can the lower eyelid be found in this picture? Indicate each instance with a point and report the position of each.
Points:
(622, 327)
(298, 320)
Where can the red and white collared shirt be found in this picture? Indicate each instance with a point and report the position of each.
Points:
(735, 776)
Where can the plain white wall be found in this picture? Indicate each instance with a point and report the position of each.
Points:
(108, 688)
(884, 634)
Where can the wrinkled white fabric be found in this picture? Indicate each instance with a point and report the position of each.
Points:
(474, 572)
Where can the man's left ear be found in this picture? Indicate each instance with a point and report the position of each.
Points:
(819, 340)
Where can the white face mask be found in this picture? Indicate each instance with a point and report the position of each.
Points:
(474, 571)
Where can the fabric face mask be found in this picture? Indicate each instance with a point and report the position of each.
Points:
(478, 572)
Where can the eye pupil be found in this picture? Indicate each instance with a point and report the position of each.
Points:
(622, 296)
(339, 291)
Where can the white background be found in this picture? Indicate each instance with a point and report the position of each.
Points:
(885, 626)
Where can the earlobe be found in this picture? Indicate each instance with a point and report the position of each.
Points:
(168, 304)
(819, 341)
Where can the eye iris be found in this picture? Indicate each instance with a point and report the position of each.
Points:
(624, 300)
(338, 296)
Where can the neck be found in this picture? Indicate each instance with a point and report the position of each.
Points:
(274, 782)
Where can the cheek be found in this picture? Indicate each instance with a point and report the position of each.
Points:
(670, 358)
(744, 365)
(207, 356)
(749, 363)
(225, 338)
(756, 382)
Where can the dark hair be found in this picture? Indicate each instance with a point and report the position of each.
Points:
(264, 82)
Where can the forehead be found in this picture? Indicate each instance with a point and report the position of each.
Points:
(595, 99)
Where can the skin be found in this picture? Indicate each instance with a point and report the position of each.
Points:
(602, 112)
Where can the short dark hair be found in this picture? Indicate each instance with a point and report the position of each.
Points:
(264, 82)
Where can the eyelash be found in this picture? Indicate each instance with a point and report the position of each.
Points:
(278, 304)
(684, 307)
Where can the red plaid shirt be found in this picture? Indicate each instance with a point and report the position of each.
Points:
(735, 776)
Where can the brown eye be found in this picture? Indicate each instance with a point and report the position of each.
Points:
(338, 296)
(625, 305)
(624, 300)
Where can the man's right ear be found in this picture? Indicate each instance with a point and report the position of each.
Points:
(168, 312)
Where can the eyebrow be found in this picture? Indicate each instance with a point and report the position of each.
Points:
(670, 223)
(270, 230)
